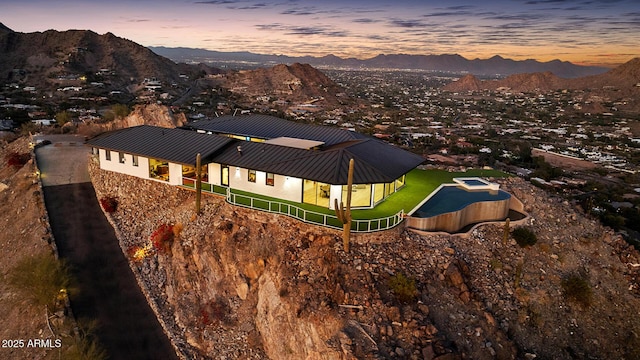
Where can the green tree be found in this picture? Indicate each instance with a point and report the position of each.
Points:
(63, 117)
(120, 110)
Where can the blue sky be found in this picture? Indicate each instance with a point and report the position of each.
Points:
(581, 31)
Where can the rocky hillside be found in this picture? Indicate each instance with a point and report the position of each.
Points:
(619, 84)
(295, 84)
(106, 66)
(237, 283)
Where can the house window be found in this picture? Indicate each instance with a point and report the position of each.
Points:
(224, 175)
(135, 160)
(270, 179)
(252, 176)
(107, 155)
(190, 172)
(121, 157)
(316, 193)
(360, 195)
(378, 193)
(159, 169)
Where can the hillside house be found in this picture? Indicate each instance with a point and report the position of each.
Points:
(261, 155)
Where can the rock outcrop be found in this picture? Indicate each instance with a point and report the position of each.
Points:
(151, 114)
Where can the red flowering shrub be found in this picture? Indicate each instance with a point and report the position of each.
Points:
(162, 238)
(204, 317)
(16, 159)
(109, 204)
(215, 312)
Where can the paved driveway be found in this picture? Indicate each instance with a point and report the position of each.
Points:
(64, 161)
(128, 328)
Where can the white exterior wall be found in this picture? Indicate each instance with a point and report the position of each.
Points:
(335, 192)
(141, 171)
(175, 174)
(285, 187)
(215, 173)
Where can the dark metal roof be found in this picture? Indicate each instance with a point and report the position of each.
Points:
(175, 145)
(375, 161)
(269, 127)
(387, 160)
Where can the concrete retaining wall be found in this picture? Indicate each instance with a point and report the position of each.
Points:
(456, 220)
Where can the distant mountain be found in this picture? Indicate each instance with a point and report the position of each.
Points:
(625, 76)
(52, 59)
(448, 63)
(292, 85)
(621, 85)
(527, 82)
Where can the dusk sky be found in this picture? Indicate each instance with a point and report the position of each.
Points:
(581, 31)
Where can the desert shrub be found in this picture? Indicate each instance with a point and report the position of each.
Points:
(577, 288)
(495, 264)
(162, 238)
(17, 160)
(109, 203)
(40, 278)
(85, 345)
(137, 252)
(403, 287)
(524, 236)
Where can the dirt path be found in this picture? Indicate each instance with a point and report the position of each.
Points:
(128, 328)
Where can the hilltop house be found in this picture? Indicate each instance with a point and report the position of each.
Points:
(262, 155)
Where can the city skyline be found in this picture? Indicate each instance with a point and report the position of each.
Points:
(588, 32)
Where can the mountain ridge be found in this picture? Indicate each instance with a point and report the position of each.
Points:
(496, 65)
(620, 84)
(626, 75)
(52, 58)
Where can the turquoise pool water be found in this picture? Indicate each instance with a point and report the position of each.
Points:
(454, 198)
(472, 182)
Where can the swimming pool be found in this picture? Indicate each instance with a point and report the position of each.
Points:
(451, 207)
(454, 198)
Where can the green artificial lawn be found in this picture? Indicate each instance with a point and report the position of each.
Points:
(419, 184)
